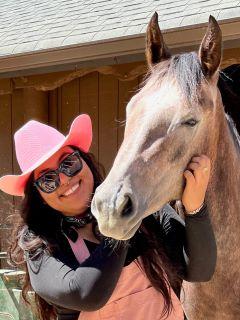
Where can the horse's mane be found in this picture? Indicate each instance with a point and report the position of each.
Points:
(188, 72)
(184, 68)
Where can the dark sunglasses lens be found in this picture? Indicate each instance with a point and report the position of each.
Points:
(48, 182)
(71, 165)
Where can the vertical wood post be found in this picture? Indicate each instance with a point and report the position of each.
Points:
(35, 105)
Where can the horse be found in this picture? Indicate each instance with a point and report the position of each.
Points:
(177, 114)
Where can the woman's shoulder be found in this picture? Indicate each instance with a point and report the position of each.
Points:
(31, 243)
(35, 248)
(46, 258)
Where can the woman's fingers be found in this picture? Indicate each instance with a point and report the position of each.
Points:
(193, 166)
(189, 177)
(197, 176)
(203, 162)
(200, 166)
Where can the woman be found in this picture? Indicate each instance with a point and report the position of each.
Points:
(75, 271)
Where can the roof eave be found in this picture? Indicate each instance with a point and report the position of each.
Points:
(110, 51)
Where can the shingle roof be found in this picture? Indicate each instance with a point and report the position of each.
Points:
(33, 25)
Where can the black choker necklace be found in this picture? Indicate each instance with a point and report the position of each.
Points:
(70, 224)
(81, 221)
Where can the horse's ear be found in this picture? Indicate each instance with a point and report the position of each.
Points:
(210, 50)
(156, 50)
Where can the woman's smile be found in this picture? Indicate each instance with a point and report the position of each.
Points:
(72, 190)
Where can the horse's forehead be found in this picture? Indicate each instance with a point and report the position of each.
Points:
(167, 96)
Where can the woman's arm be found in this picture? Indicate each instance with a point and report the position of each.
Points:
(87, 288)
(200, 248)
(192, 246)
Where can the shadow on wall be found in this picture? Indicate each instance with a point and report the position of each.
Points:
(229, 86)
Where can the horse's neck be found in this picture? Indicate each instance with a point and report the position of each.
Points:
(223, 195)
(224, 207)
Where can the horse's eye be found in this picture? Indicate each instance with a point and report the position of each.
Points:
(190, 123)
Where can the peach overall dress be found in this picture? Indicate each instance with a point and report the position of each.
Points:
(133, 297)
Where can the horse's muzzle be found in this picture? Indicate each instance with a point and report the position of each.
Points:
(115, 212)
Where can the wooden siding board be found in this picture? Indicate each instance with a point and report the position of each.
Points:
(59, 108)
(5, 86)
(108, 105)
(53, 108)
(35, 105)
(88, 98)
(17, 120)
(70, 104)
(6, 147)
(6, 165)
(126, 90)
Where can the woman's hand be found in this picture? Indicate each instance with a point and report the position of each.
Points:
(197, 177)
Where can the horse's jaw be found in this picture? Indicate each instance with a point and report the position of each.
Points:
(120, 205)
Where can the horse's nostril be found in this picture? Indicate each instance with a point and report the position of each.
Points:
(127, 210)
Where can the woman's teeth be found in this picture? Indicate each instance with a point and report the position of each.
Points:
(70, 191)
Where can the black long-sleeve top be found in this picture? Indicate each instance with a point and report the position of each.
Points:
(71, 288)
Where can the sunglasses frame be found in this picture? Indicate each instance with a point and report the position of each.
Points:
(57, 171)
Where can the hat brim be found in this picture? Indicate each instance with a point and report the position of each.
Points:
(80, 135)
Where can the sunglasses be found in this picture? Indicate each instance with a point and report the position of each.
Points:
(50, 180)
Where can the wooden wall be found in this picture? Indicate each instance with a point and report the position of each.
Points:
(103, 97)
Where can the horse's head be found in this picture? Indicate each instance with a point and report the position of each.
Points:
(167, 122)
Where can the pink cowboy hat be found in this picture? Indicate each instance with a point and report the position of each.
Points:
(36, 142)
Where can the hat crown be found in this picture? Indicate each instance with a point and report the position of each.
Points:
(33, 141)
